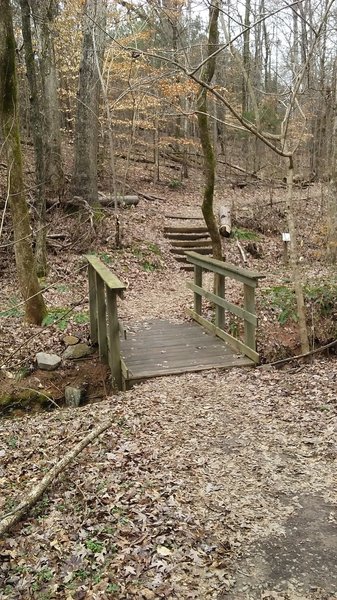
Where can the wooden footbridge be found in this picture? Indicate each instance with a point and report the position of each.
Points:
(157, 348)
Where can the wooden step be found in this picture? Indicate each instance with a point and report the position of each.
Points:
(202, 250)
(189, 244)
(184, 217)
(185, 230)
(180, 258)
(186, 236)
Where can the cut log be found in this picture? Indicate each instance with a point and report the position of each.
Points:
(128, 200)
(225, 217)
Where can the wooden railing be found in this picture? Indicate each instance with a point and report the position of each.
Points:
(104, 287)
(250, 281)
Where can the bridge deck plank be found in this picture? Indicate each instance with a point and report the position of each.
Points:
(160, 347)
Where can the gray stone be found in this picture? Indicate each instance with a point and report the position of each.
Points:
(78, 351)
(47, 362)
(70, 340)
(72, 396)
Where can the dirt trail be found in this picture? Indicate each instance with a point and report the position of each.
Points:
(210, 486)
(214, 485)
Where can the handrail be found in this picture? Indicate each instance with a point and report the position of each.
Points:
(104, 287)
(224, 268)
(250, 280)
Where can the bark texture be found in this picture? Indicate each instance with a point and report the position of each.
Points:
(87, 124)
(36, 118)
(332, 197)
(293, 261)
(44, 12)
(205, 137)
(25, 264)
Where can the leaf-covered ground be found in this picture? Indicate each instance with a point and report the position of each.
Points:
(194, 473)
(206, 483)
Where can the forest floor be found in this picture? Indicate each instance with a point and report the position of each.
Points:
(213, 485)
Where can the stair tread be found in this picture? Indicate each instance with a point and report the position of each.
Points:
(185, 229)
(201, 250)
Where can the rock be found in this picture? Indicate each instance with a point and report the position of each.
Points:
(78, 351)
(47, 362)
(72, 396)
(70, 340)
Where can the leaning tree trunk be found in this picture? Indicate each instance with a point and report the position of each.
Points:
(25, 264)
(87, 124)
(204, 133)
(36, 117)
(44, 13)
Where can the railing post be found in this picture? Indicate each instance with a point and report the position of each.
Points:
(101, 319)
(92, 304)
(104, 326)
(198, 282)
(219, 310)
(249, 304)
(113, 336)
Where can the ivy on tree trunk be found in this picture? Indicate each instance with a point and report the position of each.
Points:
(205, 138)
(25, 264)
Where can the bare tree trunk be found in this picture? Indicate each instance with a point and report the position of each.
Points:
(86, 131)
(156, 153)
(36, 118)
(246, 58)
(205, 138)
(25, 264)
(295, 57)
(113, 175)
(332, 196)
(44, 12)
(293, 260)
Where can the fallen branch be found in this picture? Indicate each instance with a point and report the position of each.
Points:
(242, 252)
(252, 174)
(37, 491)
(298, 356)
(151, 198)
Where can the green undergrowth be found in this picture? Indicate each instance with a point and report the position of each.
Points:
(61, 317)
(105, 258)
(149, 256)
(239, 233)
(13, 309)
(22, 398)
(320, 300)
(175, 184)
